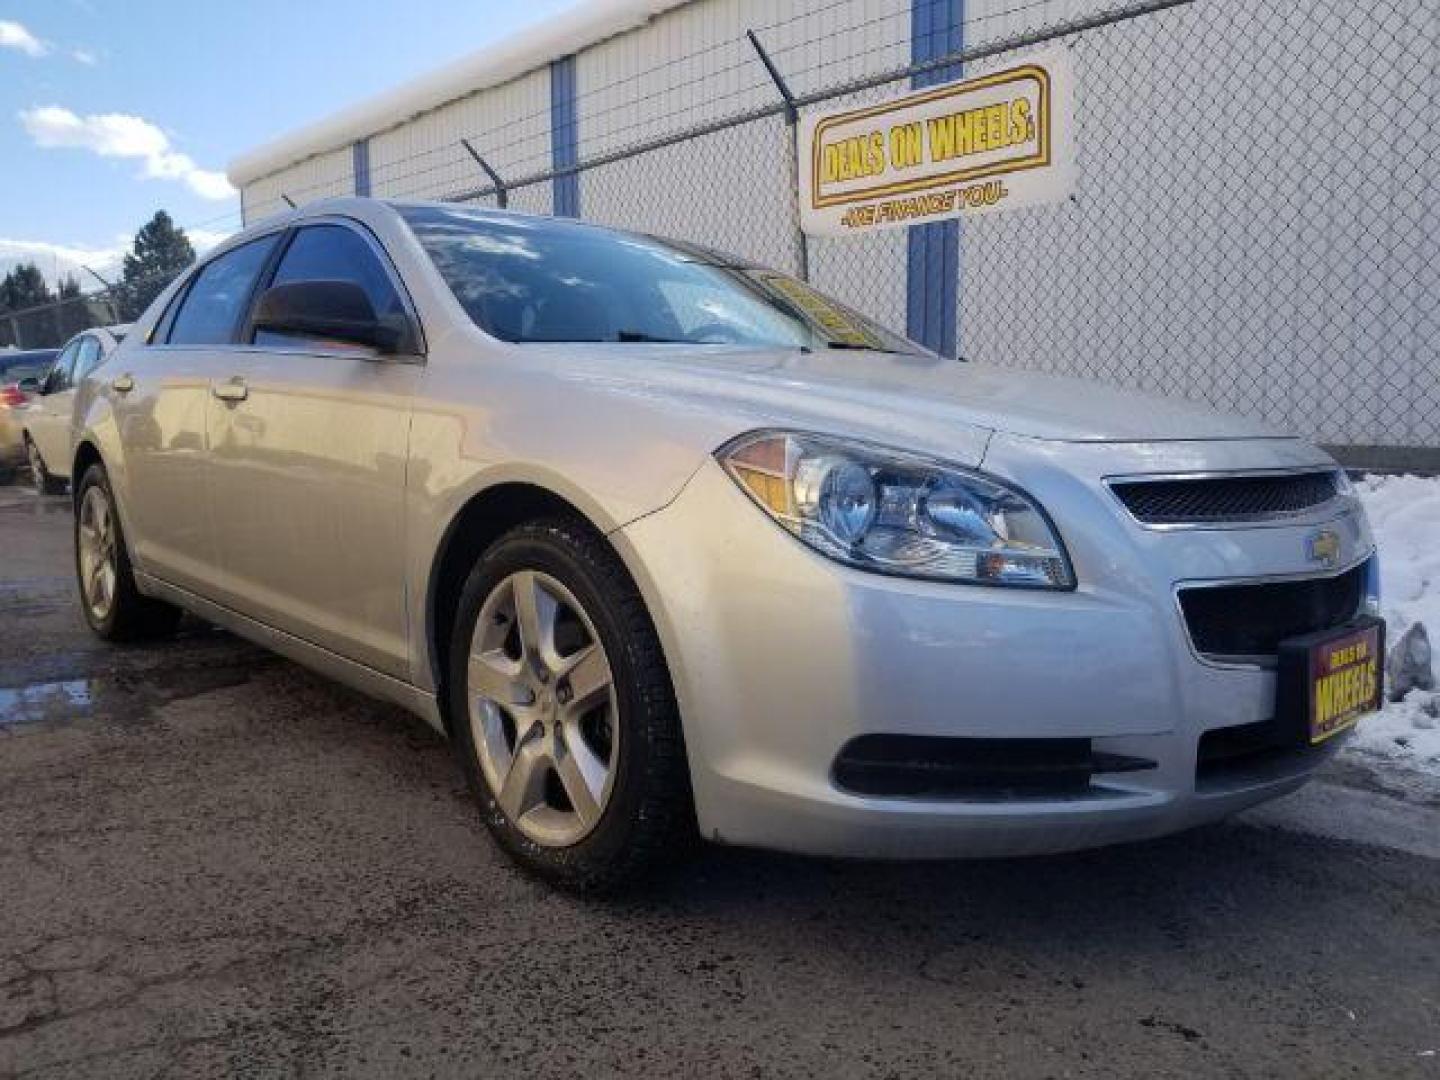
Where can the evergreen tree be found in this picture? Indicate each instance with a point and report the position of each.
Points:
(160, 252)
(22, 288)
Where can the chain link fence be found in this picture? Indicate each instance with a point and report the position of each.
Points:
(48, 326)
(1255, 225)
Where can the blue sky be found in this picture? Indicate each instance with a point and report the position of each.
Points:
(110, 110)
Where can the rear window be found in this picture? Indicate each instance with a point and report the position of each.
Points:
(212, 308)
(25, 365)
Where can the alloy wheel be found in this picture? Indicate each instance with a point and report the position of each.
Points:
(98, 551)
(38, 476)
(542, 709)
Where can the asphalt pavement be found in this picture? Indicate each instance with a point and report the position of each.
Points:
(213, 863)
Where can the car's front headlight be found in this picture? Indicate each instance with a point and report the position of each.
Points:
(899, 513)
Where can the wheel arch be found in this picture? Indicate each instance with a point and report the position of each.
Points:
(87, 453)
(480, 521)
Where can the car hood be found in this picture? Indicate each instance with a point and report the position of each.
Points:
(909, 395)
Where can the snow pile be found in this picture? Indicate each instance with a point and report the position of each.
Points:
(1404, 512)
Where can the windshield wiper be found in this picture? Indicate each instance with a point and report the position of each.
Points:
(855, 345)
(654, 339)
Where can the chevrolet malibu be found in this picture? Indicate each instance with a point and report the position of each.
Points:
(671, 545)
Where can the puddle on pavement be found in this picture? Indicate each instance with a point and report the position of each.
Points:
(125, 697)
(34, 597)
(34, 704)
(27, 502)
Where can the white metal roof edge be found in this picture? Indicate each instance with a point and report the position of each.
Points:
(576, 28)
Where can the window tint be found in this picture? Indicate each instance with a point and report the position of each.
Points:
(86, 359)
(211, 309)
(334, 253)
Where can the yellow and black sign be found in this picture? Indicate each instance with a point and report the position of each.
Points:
(991, 142)
(1346, 675)
(836, 322)
(1328, 680)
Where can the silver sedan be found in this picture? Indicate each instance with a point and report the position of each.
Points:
(672, 546)
(49, 412)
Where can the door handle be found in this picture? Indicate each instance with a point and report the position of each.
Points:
(234, 390)
(123, 384)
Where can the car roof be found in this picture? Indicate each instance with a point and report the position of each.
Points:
(115, 332)
(26, 356)
(359, 205)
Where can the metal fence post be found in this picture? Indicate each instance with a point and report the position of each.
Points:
(792, 119)
(109, 290)
(501, 195)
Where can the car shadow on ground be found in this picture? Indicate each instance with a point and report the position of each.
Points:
(212, 800)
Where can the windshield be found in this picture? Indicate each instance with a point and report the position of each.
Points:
(530, 279)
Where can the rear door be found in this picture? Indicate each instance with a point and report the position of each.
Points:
(49, 416)
(162, 416)
(309, 441)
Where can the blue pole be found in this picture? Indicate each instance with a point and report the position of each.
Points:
(932, 256)
(564, 137)
(361, 162)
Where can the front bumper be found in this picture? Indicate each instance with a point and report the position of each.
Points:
(781, 657)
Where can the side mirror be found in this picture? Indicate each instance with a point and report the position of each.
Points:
(326, 310)
(30, 385)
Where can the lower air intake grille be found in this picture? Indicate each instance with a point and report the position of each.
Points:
(944, 767)
(1251, 620)
(1215, 500)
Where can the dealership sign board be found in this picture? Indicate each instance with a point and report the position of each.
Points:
(994, 142)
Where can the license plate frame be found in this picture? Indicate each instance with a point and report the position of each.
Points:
(1332, 679)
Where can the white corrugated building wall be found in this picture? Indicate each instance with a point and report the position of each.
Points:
(1244, 231)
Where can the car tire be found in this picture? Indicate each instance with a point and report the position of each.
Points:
(113, 605)
(44, 483)
(634, 810)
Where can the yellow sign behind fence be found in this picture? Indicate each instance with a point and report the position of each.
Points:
(993, 142)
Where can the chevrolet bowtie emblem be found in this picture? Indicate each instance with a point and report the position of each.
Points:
(1324, 547)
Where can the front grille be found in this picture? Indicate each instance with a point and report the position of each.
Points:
(1252, 619)
(942, 767)
(1215, 500)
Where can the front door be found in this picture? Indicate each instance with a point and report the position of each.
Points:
(308, 447)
